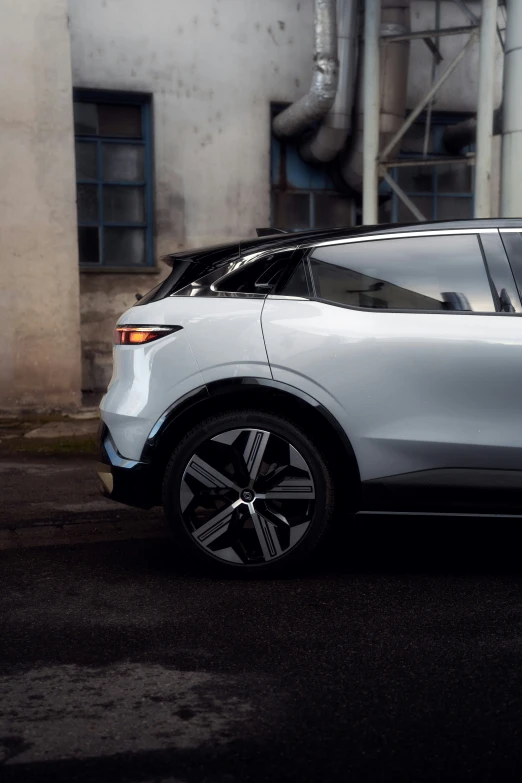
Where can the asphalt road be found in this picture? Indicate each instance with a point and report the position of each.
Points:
(395, 657)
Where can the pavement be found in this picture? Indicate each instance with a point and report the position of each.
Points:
(50, 500)
(395, 656)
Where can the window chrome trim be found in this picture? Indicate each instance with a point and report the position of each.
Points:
(510, 230)
(408, 235)
(296, 298)
(375, 310)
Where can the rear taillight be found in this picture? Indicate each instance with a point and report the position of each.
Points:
(139, 335)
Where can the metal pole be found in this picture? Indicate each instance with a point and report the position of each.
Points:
(511, 183)
(486, 81)
(371, 108)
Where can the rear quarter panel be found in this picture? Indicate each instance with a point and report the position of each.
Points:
(220, 338)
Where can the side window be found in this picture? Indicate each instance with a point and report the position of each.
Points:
(418, 273)
(297, 285)
(257, 277)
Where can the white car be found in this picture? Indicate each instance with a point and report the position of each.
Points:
(269, 386)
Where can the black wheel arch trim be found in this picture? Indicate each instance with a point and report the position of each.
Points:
(222, 387)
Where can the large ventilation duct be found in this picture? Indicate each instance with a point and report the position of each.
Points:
(395, 20)
(464, 133)
(321, 95)
(337, 124)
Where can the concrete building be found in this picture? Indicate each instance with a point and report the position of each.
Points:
(171, 125)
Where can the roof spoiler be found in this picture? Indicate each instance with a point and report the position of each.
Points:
(265, 232)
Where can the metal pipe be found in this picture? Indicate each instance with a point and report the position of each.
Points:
(321, 95)
(511, 182)
(486, 83)
(337, 124)
(371, 109)
(393, 79)
(464, 133)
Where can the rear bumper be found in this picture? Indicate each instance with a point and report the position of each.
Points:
(124, 480)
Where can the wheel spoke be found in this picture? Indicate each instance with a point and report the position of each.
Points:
(216, 526)
(209, 476)
(266, 535)
(254, 451)
(276, 518)
(291, 489)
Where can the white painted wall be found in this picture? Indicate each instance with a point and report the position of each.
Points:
(39, 291)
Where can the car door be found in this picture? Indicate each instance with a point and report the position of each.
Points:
(414, 343)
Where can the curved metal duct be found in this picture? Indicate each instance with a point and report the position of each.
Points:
(395, 20)
(337, 124)
(464, 133)
(320, 97)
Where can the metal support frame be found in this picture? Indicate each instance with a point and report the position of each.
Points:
(401, 194)
(378, 164)
(408, 122)
(371, 108)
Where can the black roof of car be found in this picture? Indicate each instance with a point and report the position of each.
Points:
(281, 239)
(188, 265)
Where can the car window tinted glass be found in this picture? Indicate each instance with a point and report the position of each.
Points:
(418, 273)
(297, 285)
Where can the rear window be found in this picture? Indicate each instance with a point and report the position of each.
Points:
(419, 273)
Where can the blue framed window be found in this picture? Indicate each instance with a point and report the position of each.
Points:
(113, 179)
(303, 196)
(443, 191)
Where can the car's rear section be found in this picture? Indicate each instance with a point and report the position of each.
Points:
(192, 419)
(167, 348)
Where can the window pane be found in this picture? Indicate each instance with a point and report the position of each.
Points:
(123, 205)
(124, 246)
(332, 211)
(121, 120)
(291, 210)
(86, 160)
(88, 245)
(123, 162)
(454, 178)
(87, 203)
(415, 179)
(424, 203)
(85, 119)
(424, 273)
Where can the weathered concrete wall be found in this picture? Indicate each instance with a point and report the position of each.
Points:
(39, 290)
(213, 67)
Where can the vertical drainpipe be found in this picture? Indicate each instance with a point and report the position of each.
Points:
(371, 109)
(486, 81)
(511, 182)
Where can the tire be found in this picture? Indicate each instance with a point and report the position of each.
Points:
(247, 492)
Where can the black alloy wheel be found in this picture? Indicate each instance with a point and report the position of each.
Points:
(247, 491)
